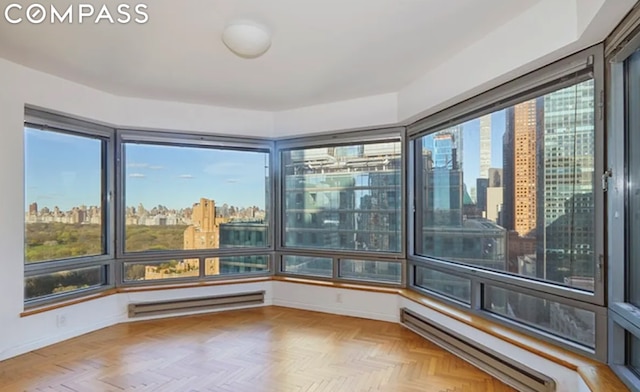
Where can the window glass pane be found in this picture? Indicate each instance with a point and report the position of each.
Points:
(63, 196)
(63, 282)
(345, 197)
(166, 269)
(380, 271)
(633, 181)
(236, 265)
(568, 322)
(308, 265)
(633, 352)
(194, 198)
(513, 190)
(443, 283)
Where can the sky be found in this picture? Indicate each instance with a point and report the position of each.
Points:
(64, 170)
(471, 147)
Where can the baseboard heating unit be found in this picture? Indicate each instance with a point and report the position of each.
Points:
(194, 304)
(503, 368)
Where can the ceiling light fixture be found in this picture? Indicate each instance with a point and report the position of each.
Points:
(246, 39)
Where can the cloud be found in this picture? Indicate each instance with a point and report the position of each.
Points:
(137, 175)
(134, 164)
(156, 167)
(232, 180)
(186, 176)
(223, 168)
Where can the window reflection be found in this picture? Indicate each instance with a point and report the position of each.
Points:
(513, 190)
(345, 197)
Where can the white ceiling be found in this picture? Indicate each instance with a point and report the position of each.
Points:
(322, 50)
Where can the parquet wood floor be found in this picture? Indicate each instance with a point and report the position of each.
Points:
(255, 350)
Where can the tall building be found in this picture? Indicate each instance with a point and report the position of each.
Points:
(344, 197)
(525, 173)
(447, 231)
(508, 160)
(481, 201)
(204, 231)
(565, 184)
(485, 145)
(444, 181)
(494, 195)
(518, 211)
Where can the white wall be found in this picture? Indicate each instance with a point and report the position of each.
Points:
(356, 303)
(374, 111)
(20, 335)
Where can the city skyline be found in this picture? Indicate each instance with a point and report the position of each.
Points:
(470, 155)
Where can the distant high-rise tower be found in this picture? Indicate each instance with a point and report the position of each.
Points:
(494, 195)
(204, 232)
(485, 145)
(525, 177)
(443, 179)
(507, 216)
(565, 184)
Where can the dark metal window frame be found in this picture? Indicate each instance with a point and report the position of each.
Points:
(624, 317)
(381, 135)
(114, 258)
(49, 122)
(584, 65)
(183, 139)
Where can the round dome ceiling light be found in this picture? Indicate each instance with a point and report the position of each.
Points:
(247, 40)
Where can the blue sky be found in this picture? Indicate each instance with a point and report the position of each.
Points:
(177, 177)
(64, 171)
(471, 147)
(61, 170)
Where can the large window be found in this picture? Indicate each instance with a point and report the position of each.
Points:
(194, 198)
(343, 197)
(187, 207)
(66, 242)
(193, 207)
(342, 207)
(64, 187)
(508, 218)
(513, 190)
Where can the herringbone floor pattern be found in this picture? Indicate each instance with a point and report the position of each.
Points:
(263, 349)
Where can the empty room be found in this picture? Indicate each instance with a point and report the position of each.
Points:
(356, 195)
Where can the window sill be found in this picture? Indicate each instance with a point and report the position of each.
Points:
(70, 302)
(133, 289)
(598, 376)
(338, 285)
